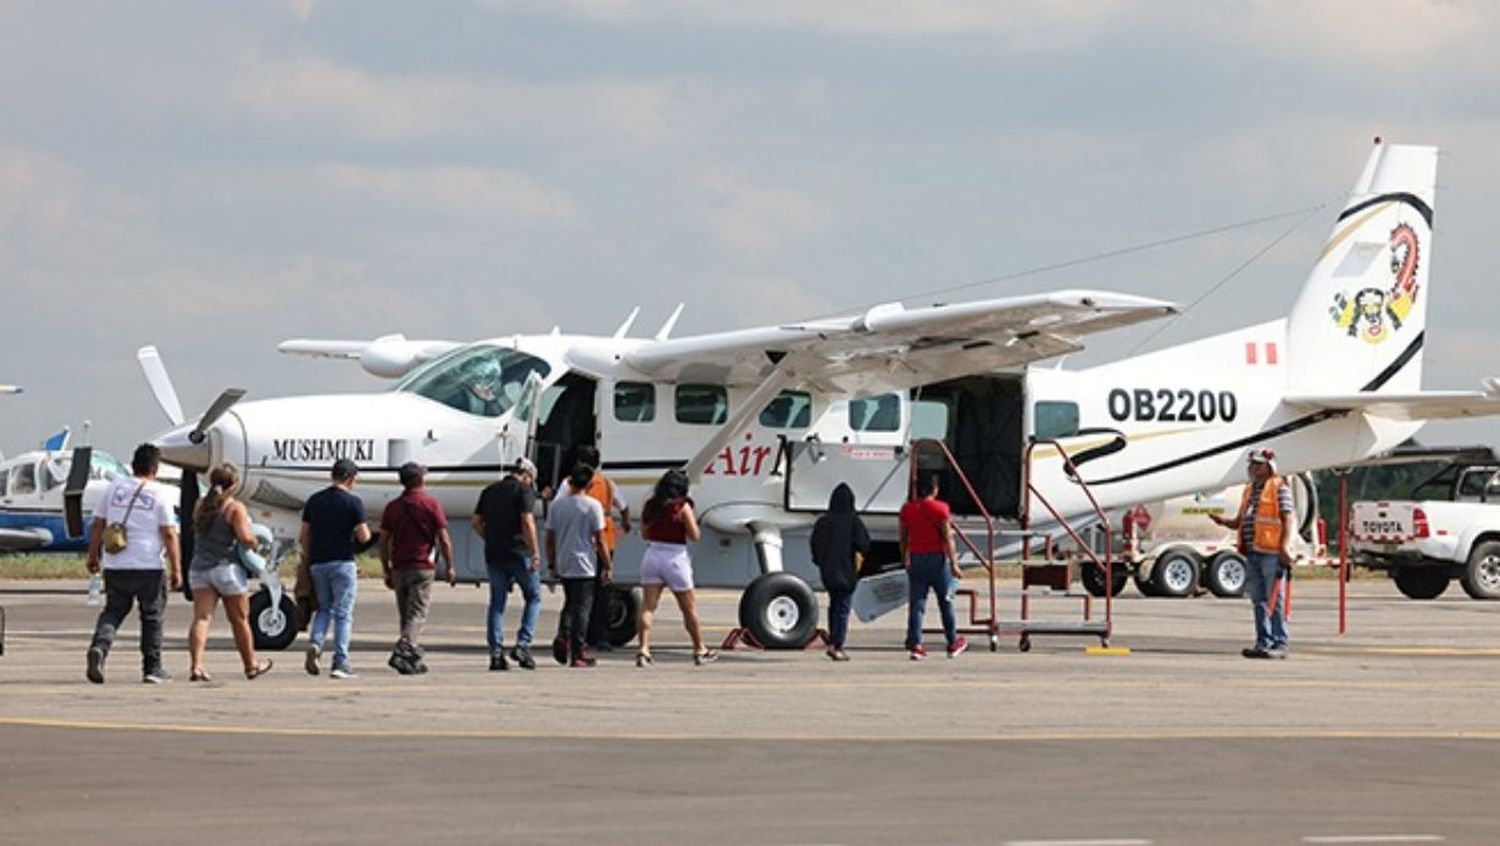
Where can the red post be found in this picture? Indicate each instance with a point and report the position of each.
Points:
(1343, 551)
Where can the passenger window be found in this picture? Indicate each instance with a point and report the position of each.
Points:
(875, 414)
(706, 405)
(790, 410)
(4, 481)
(25, 480)
(929, 419)
(1052, 420)
(635, 402)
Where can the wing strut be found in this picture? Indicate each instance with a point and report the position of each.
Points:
(786, 372)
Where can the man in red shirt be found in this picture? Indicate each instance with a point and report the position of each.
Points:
(931, 562)
(412, 526)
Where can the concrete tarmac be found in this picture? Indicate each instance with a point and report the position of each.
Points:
(1388, 734)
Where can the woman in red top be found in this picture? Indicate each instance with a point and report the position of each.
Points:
(669, 525)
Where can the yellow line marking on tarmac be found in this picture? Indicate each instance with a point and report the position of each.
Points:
(991, 737)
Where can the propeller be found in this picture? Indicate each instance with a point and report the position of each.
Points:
(161, 383)
(73, 488)
(229, 397)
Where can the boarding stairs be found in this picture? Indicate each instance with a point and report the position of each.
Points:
(1047, 575)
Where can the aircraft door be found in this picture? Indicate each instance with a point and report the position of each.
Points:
(985, 430)
(567, 421)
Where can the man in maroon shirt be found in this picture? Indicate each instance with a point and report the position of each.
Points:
(412, 526)
(931, 562)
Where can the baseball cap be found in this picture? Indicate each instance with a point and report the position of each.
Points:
(524, 465)
(411, 473)
(345, 468)
(1261, 456)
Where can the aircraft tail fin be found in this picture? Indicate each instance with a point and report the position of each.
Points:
(1359, 323)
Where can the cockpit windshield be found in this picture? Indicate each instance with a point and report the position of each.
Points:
(103, 467)
(484, 380)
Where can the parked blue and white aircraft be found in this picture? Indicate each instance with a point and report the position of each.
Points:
(31, 496)
(9, 389)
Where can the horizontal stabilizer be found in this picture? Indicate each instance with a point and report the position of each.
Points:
(1419, 405)
(389, 356)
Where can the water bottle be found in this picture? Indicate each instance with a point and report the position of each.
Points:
(96, 588)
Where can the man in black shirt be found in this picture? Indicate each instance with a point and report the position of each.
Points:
(333, 530)
(505, 517)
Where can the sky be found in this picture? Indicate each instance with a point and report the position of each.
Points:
(214, 178)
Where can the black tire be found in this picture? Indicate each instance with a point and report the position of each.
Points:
(780, 611)
(1144, 583)
(621, 614)
(1421, 582)
(1092, 576)
(273, 631)
(1225, 574)
(1175, 573)
(1481, 578)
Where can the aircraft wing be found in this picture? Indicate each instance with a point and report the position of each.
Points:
(1421, 405)
(890, 347)
(389, 356)
(24, 540)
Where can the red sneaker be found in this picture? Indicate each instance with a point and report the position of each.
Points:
(918, 652)
(583, 659)
(958, 646)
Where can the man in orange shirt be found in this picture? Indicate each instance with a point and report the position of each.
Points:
(931, 562)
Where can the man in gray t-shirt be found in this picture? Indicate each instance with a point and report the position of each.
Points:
(576, 553)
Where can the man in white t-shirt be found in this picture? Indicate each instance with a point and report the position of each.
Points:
(134, 574)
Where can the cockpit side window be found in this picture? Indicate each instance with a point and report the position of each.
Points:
(4, 481)
(484, 380)
(25, 480)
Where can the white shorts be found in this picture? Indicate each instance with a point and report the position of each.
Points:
(226, 578)
(667, 564)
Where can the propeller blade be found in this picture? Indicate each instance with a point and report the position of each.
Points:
(161, 383)
(214, 412)
(187, 503)
(73, 488)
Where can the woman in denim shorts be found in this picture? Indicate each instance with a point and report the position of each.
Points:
(215, 572)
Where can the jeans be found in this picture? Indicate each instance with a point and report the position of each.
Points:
(840, 602)
(1262, 571)
(502, 576)
(336, 583)
(599, 616)
(578, 604)
(929, 570)
(122, 588)
(413, 598)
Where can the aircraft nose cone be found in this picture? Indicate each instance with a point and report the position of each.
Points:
(179, 450)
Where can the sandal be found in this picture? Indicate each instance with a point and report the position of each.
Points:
(707, 656)
(643, 659)
(259, 669)
(199, 675)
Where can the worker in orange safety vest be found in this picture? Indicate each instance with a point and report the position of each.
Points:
(1265, 529)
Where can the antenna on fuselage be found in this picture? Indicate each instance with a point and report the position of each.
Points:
(666, 328)
(629, 322)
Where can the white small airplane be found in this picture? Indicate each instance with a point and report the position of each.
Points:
(11, 389)
(32, 501)
(768, 420)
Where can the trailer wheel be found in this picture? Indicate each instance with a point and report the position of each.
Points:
(272, 628)
(1092, 576)
(1481, 579)
(1225, 574)
(1176, 573)
(1421, 582)
(620, 616)
(779, 610)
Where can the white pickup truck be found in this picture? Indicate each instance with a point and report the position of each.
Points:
(1425, 544)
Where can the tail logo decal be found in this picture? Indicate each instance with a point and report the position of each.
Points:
(1374, 313)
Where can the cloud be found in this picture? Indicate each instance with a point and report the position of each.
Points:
(750, 215)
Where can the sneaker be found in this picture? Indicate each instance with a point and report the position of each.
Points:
(1276, 652)
(958, 647)
(498, 662)
(839, 655)
(1254, 652)
(95, 671)
(311, 663)
(522, 656)
(707, 656)
(583, 659)
(918, 652)
(343, 673)
(560, 650)
(156, 676)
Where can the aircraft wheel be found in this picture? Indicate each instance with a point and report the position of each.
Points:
(1421, 582)
(1145, 583)
(1176, 573)
(1092, 576)
(273, 628)
(619, 621)
(779, 610)
(1481, 579)
(1225, 575)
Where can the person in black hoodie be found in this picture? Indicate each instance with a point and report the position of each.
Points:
(839, 541)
